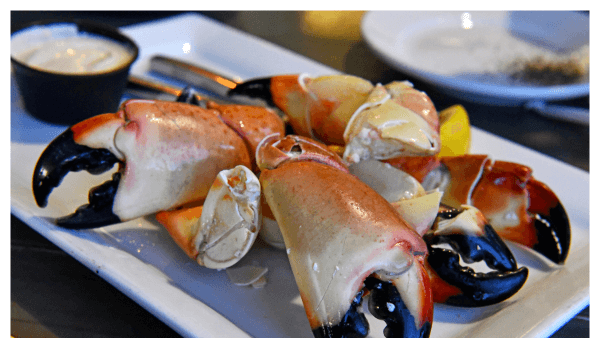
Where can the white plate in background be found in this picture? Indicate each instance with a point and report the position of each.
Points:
(436, 48)
(140, 259)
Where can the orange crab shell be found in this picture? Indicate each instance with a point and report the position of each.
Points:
(326, 237)
(252, 123)
(505, 192)
(181, 225)
(320, 106)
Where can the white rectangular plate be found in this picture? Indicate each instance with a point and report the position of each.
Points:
(140, 259)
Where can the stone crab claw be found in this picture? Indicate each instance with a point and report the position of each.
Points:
(372, 121)
(463, 231)
(168, 155)
(517, 206)
(344, 241)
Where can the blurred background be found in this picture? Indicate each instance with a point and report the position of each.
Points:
(42, 275)
(333, 38)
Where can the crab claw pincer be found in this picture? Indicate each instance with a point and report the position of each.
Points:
(371, 121)
(518, 207)
(464, 232)
(169, 154)
(344, 241)
(469, 237)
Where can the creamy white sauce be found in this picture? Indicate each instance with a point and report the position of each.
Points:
(73, 53)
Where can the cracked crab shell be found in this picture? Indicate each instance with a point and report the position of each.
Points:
(338, 231)
(320, 106)
(382, 128)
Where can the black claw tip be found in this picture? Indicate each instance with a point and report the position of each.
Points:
(86, 217)
(190, 96)
(554, 234)
(98, 212)
(259, 88)
(478, 289)
(353, 325)
(386, 304)
(62, 156)
(488, 247)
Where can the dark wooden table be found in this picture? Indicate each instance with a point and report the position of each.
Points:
(53, 295)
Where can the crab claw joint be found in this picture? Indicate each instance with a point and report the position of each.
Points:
(416, 206)
(230, 219)
(219, 233)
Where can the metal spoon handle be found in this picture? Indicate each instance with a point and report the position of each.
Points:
(136, 82)
(192, 74)
(201, 78)
(160, 90)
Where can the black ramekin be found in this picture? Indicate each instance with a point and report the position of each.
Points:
(70, 98)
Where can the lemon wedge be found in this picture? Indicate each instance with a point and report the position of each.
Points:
(455, 131)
